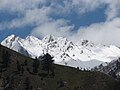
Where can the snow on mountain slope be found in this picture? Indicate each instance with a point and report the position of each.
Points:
(82, 64)
(112, 68)
(64, 51)
(31, 45)
(13, 42)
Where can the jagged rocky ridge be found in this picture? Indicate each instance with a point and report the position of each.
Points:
(83, 54)
(112, 68)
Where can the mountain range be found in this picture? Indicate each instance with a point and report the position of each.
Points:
(19, 74)
(111, 69)
(83, 54)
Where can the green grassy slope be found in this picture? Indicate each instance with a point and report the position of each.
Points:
(66, 78)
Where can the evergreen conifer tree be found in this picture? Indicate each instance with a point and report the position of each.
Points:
(35, 65)
(6, 59)
(48, 63)
(18, 66)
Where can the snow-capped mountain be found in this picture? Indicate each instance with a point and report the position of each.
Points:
(85, 54)
(112, 68)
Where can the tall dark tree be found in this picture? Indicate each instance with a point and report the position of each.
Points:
(11, 83)
(18, 66)
(0, 47)
(22, 69)
(6, 59)
(5, 83)
(0, 52)
(27, 83)
(47, 63)
(25, 62)
(35, 65)
(61, 83)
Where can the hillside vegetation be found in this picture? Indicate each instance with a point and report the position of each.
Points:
(16, 73)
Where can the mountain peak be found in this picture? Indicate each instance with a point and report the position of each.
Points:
(48, 38)
(32, 38)
(9, 40)
(83, 42)
(11, 37)
(63, 50)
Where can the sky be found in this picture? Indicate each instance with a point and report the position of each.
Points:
(95, 20)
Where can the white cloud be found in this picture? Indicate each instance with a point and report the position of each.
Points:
(87, 5)
(35, 16)
(113, 6)
(37, 12)
(100, 33)
(113, 9)
(57, 28)
(20, 5)
(105, 33)
(62, 6)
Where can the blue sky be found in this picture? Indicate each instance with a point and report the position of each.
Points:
(95, 20)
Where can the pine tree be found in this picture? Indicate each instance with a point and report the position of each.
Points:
(18, 66)
(11, 83)
(35, 65)
(5, 82)
(48, 63)
(22, 69)
(25, 62)
(6, 59)
(27, 83)
(0, 47)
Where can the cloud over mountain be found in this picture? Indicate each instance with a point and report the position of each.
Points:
(38, 13)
